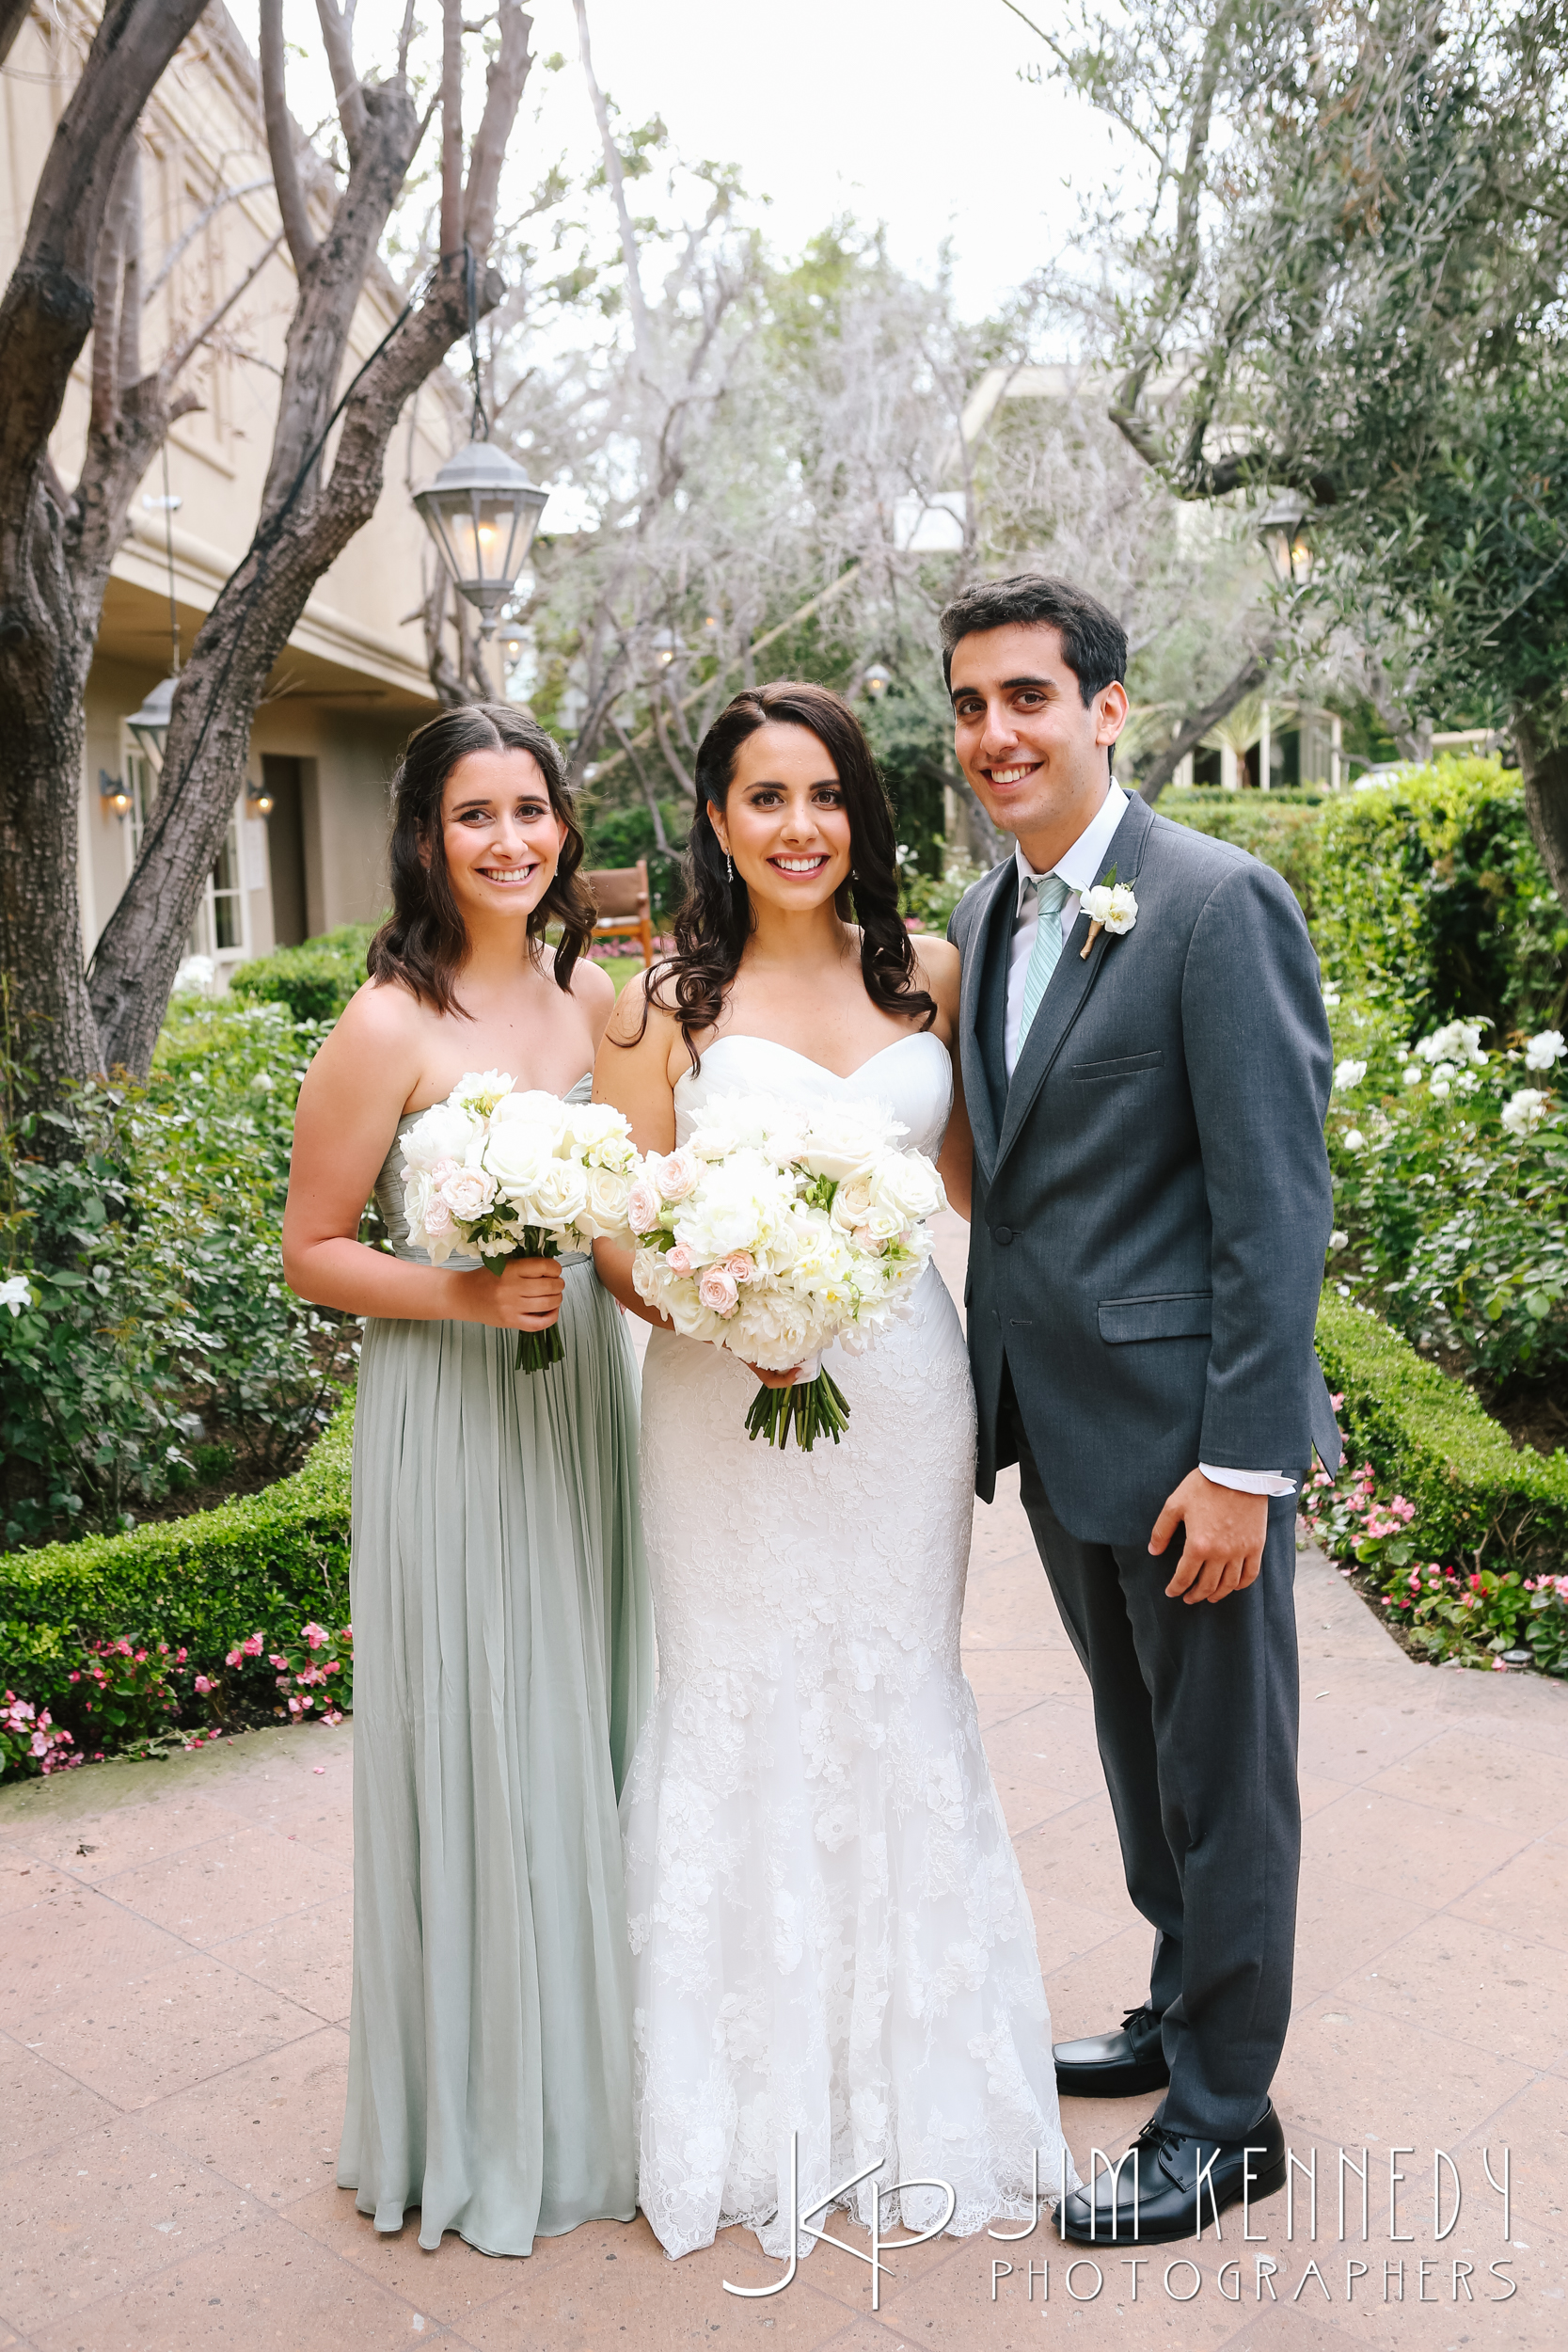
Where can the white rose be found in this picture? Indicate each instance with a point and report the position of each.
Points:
(1348, 1076)
(1525, 1110)
(444, 1132)
(1412, 1074)
(1353, 1140)
(907, 1183)
(848, 1141)
(882, 1224)
(851, 1202)
(1543, 1050)
(560, 1196)
(534, 1108)
(516, 1155)
(603, 1213)
(480, 1091)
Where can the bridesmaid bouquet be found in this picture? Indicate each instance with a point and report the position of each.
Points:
(777, 1229)
(497, 1173)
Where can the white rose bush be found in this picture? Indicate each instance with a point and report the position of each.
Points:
(777, 1230)
(497, 1174)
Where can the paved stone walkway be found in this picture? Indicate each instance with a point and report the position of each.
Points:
(174, 1987)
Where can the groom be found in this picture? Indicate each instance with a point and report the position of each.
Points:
(1151, 1209)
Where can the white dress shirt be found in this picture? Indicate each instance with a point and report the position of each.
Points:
(1078, 867)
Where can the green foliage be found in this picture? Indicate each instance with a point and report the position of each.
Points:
(201, 1584)
(145, 1242)
(1451, 1177)
(1434, 901)
(315, 981)
(1284, 829)
(1475, 1498)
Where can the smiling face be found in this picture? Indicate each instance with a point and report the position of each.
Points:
(785, 820)
(500, 835)
(1036, 755)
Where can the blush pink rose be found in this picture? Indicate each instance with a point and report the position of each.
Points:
(679, 1259)
(438, 1216)
(718, 1290)
(643, 1206)
(679, 1174)
(740, 1266)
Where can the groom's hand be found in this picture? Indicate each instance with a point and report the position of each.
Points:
(1225, 1534)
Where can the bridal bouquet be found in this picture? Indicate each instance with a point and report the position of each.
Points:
(498, 1173)
(777, 1229)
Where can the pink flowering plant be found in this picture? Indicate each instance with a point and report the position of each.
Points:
(128, 1695)
(1473, 1617)
(31, 1741)
(312, 1673)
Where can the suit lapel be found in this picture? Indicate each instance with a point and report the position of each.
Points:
(1070, 983)
(983, 1096)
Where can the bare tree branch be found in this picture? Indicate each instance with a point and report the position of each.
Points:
(188, 236)
(280, 140)
(184, 351)
(127, 358)
(451, 129)
(337, 35)
(660, 839)
(504, 78)
(641, 325)
(671, 757)
(107, 378)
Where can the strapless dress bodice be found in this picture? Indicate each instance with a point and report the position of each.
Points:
(913, 1077)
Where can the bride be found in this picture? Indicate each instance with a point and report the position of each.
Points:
(832, 1937)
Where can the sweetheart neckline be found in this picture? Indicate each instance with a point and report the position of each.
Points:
(747, 1037)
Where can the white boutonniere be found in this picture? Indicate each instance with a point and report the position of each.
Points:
(1110, 907)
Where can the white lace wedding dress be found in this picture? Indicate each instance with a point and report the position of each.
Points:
(832, 1936)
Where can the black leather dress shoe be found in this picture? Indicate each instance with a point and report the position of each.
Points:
(1114, 2065)
(1168, 2186)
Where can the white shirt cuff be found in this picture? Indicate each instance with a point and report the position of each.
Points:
(1249, 1481)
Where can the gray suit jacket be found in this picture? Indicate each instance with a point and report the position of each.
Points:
(1152, 1200)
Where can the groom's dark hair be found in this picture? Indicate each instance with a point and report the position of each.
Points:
(1094, 644)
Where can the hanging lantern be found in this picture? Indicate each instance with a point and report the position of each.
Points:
(483, 511)
(149, 725)
(1283, 529)
(876, 681)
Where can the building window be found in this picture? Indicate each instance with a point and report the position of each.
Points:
(221, 929)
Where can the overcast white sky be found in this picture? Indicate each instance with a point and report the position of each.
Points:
(906, 111)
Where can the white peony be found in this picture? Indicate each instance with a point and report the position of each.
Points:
(743, 1200)
(599, 1133)
(444, 1132)
(1545, 1050)
(1523, 1112)
(480, 1091)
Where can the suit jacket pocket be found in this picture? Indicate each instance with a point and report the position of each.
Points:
(1165, 1315)
(1125, 1067)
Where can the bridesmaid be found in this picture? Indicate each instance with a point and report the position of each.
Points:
(502, 1635)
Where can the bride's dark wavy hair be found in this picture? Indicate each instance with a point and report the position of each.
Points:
(424, 939)
(716, 921)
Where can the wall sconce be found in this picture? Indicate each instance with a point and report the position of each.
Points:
(113, 795)
(258, 800)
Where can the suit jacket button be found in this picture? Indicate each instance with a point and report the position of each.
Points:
(1002, 1235)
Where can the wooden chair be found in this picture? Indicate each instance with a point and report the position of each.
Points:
(621, 894)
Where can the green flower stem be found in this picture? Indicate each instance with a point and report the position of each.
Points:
(811, 1407)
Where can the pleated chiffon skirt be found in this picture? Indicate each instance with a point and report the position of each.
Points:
(503, 1662)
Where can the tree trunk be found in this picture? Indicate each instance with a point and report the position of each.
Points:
(1545, 773)
(1192, 732)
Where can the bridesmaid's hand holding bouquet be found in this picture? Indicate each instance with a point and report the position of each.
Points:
(502, 1174)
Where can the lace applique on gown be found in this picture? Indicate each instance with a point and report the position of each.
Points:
(830, 1931)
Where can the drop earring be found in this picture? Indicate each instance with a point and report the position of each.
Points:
(729, 867)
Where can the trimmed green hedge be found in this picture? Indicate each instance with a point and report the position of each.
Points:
(1427, 1433)
(200, 1583)
(1284, 829)
(315, 981)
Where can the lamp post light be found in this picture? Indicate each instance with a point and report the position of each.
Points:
(112, 792)
(667, 648)
(258, 800)
(1283, 528)
(483, 511)
(877, 680)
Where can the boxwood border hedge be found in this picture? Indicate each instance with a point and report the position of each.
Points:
(200, 1583)
(1429, 1435)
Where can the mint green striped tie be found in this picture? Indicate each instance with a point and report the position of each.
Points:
(1051, 896)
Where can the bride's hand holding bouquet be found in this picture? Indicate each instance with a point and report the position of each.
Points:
(776, 1231)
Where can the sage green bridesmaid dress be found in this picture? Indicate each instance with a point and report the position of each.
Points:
(504, 1661)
